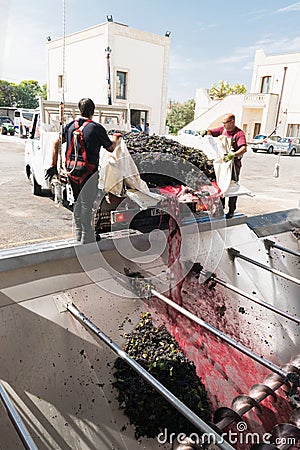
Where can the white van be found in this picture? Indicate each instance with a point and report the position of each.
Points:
(22, 121)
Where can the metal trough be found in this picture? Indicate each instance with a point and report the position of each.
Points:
(57, 374)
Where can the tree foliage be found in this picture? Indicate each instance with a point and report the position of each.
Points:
(23, 95)
(7, 93)
(44, 91)
(223, 88)
(179, 115)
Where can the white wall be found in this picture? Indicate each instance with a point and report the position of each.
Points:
(273, 65)
(212, 118)
(145, 56)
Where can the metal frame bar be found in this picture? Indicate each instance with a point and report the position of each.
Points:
(17, 421)
(253, 298)
(174, 401)
(236, 254)
(271, 244)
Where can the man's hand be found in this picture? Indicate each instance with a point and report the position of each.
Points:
(229, 156)
(203, 133)
(49, 173)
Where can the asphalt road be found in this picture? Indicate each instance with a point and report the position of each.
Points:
(27, 219)
(270, 193)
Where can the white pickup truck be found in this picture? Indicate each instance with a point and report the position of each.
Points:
(44, 130)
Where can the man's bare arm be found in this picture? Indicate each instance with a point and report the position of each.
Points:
(115, 142)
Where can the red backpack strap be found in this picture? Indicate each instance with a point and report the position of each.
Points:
(81, 140)
(71, 146)
(69, 151)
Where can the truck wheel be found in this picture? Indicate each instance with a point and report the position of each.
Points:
(36, 187)
(4, 131)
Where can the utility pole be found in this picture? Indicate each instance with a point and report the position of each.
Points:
(280, 98)
(108, 52)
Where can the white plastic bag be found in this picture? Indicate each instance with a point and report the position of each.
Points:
(110, 174)
(117, 168)
(223, 174)
(223, 169)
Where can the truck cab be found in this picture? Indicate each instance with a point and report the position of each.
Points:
(38, 153)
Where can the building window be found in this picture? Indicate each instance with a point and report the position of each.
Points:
(60, 81)
(121, 85)
(265, 85)
(293, 130)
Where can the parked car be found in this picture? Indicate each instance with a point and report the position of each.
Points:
(134, 129)
(264, 143)
(288, 145)
(194, 133)
(6, 125)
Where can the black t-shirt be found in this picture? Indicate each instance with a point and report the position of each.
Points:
(94, 135)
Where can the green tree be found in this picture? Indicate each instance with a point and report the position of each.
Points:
(179, 115)
(223, 88)
(44, 91)
(238, 88)
(27, 95)
(23, 95)
(7, 93)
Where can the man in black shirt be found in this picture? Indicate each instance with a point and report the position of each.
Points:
(84, 139)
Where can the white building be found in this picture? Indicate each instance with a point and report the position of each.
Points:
(113, 64)
(273, 100)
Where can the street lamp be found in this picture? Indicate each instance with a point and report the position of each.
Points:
(108, 52)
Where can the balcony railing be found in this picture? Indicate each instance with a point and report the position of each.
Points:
(257, 100)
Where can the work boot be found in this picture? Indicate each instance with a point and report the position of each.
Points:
(230, 214)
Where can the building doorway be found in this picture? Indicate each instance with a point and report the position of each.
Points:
(256, 129)
(139, 118)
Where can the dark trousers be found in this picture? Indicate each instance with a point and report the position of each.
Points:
(84, 196)
(235, 175)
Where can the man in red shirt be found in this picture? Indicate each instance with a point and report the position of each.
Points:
(238, 148)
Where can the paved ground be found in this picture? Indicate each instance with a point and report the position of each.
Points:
(271, 194)
(26, 219)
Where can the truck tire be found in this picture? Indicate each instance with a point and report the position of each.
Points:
(4, 131)
(36, 187)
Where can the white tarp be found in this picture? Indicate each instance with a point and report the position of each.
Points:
(215, 148)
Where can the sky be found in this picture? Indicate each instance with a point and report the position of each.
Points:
(210, 40)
